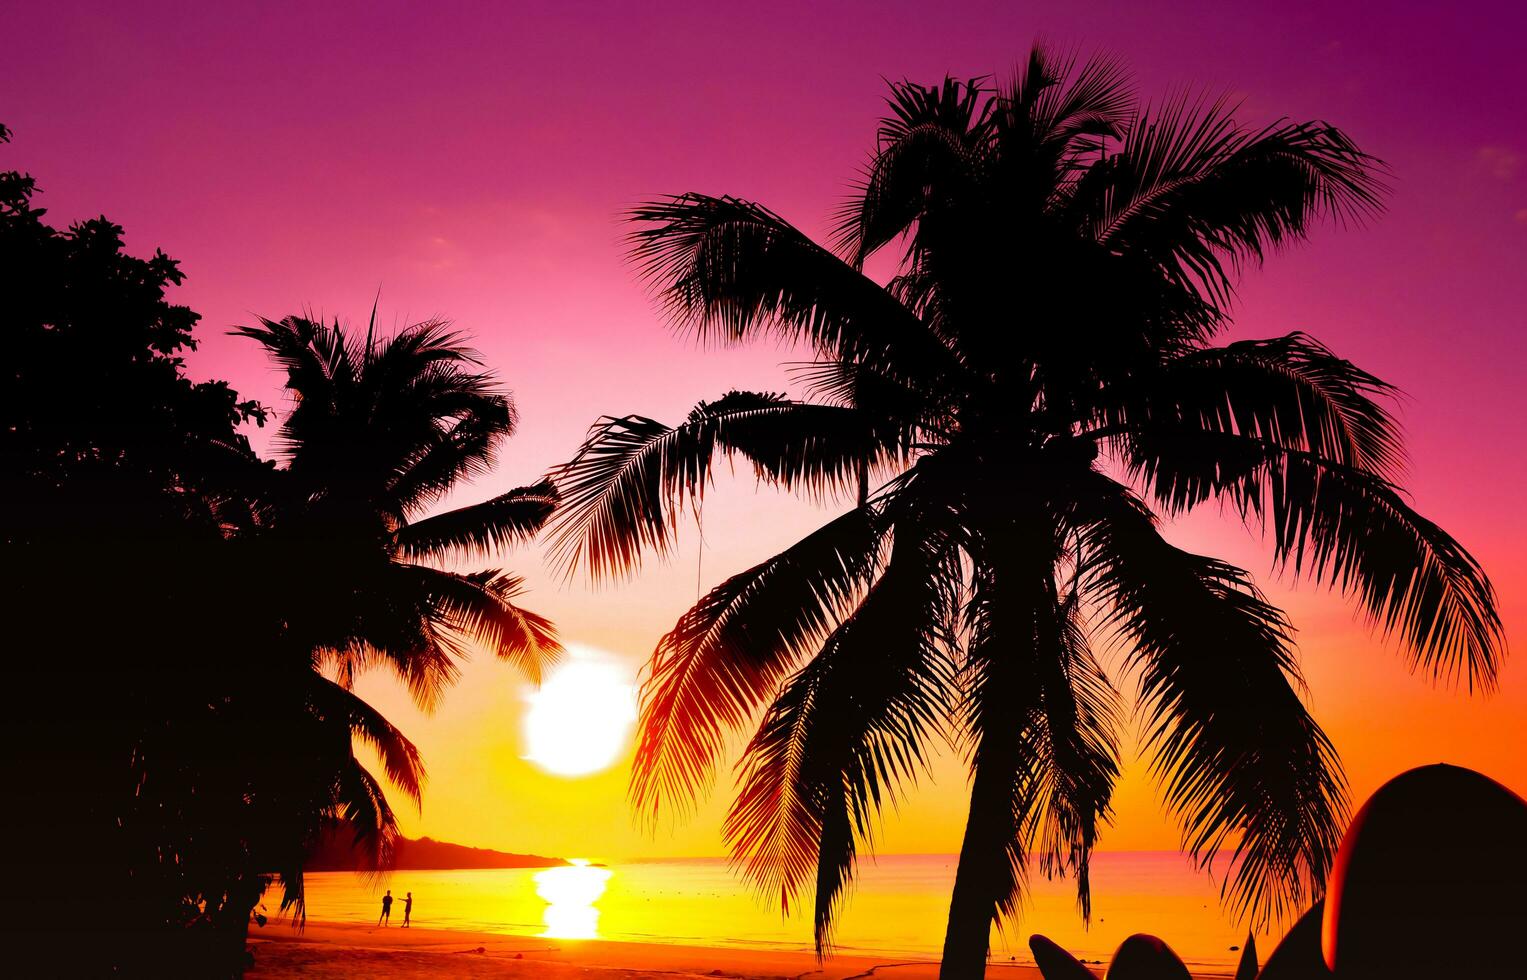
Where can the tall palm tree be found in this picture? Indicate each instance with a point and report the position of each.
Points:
(1006, 421)
(380, 432)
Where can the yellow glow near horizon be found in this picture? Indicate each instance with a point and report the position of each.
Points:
(581, 716)
(570, 894)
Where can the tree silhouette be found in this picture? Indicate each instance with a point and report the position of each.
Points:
(256, 770)
(380, 432)
(122, 480)
(186, 619)
(1009, 417)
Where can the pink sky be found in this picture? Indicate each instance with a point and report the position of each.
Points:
(472, 162)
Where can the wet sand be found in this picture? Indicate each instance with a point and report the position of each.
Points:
(331, 951)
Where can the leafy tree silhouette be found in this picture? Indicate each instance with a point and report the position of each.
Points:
(189, 619)
(122, 480)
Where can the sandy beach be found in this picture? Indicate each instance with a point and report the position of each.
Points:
(331, 951)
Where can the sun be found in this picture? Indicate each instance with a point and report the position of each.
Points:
(580, 718)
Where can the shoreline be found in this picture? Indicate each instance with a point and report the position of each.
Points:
(333, 950)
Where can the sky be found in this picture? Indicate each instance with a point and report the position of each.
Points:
(472, 161)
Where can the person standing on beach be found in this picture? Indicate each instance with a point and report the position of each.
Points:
(386, 917)
(408, 908)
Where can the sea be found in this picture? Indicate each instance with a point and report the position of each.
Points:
(896, 909)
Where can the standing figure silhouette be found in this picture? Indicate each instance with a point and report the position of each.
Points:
(408, 908)
(386, 917)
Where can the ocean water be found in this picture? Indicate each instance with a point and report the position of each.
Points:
(897, 907)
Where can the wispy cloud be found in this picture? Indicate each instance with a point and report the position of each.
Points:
(1499, 162)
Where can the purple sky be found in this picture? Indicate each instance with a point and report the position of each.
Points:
(472, 161)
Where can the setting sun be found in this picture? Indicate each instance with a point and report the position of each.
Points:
(581, 716)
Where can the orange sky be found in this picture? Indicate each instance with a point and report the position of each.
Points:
(472, 163)
(1382, 718)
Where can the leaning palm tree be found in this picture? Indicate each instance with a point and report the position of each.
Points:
(381, 430)
(1006, 422)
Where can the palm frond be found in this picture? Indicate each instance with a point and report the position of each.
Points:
(479, 608)
(1065, 103)
(316, 364)
(434, 382)
(399, 757)
(424, 469)
(362, 806)
(1195, 191)
(1239, 758)
(1293, 391)
(1080, 716)
(480, 529)
(382, 617)
(1051, 115)
(732, 268)
(930, 145)
(418, 350)
(623, 492)
(897, 406)
(1356, 532)
(1289, 391)
(1348, 528)
(294, 895)
(729, 653)
(846, 733)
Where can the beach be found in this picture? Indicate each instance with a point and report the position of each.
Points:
(689, 918)
(331, 951)
(896, 913)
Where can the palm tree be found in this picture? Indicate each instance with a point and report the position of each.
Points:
(381, 431)
(1006, 422)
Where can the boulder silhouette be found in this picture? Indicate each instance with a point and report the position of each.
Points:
(1430, 880)
(1055, 963)
(1247, 970)
(1142, 957)
(1298, 957)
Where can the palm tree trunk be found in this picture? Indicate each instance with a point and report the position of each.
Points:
(984, 875)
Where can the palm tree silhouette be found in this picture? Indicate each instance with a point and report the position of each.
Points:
(1010, 416)
(381, 431)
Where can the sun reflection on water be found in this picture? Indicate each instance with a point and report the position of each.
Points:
(570, 893)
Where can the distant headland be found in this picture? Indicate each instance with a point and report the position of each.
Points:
(336, 852)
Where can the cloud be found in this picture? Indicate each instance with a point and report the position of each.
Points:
(1498, 161)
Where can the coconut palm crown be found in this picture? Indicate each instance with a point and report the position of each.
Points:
(1007, 421)
(355, 548)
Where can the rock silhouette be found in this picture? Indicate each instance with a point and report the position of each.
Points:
(1143, 957)
(1247, 970)
(1055, 963)
(1428, 881)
